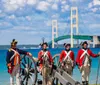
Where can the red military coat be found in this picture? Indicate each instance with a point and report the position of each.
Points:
(80, 56)
(64, 54)
(40, 54)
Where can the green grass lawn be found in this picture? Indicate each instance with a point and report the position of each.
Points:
(94, 84)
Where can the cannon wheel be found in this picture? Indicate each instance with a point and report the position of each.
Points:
(56, 62)
(56, 59)
(28, 71)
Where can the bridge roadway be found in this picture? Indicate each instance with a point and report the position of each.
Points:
(80, 37)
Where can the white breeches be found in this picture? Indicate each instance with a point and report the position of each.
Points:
(85, 71)
(46, 76)
(15, 73)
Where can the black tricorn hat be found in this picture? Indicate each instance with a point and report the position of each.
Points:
(14, 42)
(45, 43)
(85, 42)
(66, 44)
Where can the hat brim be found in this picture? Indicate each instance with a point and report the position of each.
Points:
(84, 43)
(67, 45)
(44, 44)
(14, 43)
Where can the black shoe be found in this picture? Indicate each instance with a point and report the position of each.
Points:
(87, 83)
(22, 83)
(84, 82)
(39, 82)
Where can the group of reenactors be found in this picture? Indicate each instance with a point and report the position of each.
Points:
(45, 62)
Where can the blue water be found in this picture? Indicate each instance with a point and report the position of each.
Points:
(4, 76)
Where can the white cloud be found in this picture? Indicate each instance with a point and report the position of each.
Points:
(18, 2)
(48, 23)
(63, 1)
(0, 11)
(11, 5)
(20, 28)
(90, 5)
(93, 6)
(94, 9)
(33, 32)
(76, 0)
(32, 2)
(38, 32)
(64, 8)
(62, 25)
(57, 0)
(94, 3)
(97, 15)
(21, 2)
(12, 16)
(6, 31)
(5, 25)
(72, 0)
(28, 18)
(11, 1)
(43, 6)
(94, 26)
(2, 15)
(55, 7)
(55, 16)
(68, 18)
(50, 0)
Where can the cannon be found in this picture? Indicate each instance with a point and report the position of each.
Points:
(60, 76)
(29, 73)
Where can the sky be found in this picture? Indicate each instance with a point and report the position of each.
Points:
(29, 21)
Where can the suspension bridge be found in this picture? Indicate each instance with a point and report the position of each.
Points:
(92, 39)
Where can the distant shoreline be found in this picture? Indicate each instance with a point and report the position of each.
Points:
(20, 46)
(30, 46)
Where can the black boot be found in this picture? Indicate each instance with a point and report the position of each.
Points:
(87, 83)
(84, 82)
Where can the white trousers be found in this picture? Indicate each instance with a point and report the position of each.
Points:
(15, 73)
(46, 76)
(85, 71)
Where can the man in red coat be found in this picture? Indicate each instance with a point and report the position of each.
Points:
(84, 63)
(45, 64)
(67, 59)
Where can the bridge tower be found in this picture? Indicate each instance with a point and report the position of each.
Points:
(54, 31)
(74, 23)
